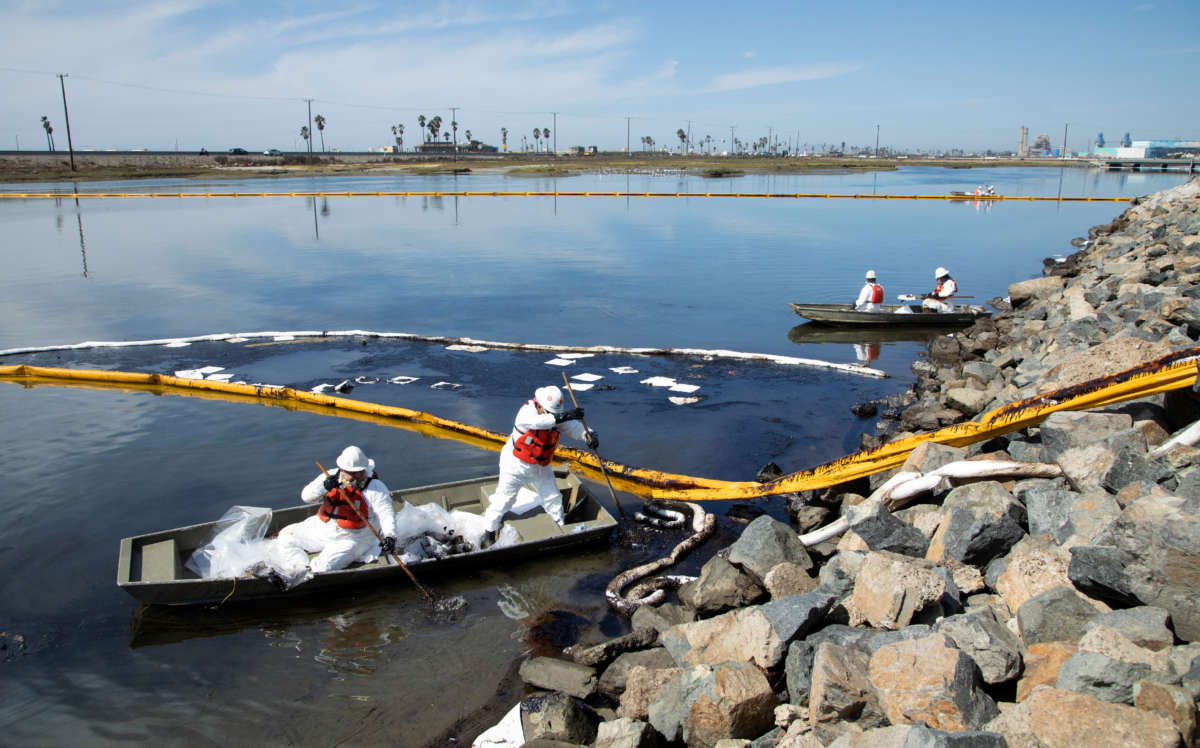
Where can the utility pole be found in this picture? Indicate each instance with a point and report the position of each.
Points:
(1064, 154)
(309, 138)
(554, 131)
(67, 117)
(689, 138)
(768, 139)
(626, 137)
(454, 128)
(876, 141)
(732, 140)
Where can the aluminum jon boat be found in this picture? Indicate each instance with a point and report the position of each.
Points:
(911, 315)
(152, 568)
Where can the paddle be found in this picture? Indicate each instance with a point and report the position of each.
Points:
(599, 461)
(375, 532)
(914, 297)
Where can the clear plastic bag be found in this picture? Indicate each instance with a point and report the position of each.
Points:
(237, 543)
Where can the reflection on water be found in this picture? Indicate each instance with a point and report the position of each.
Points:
(813, 332)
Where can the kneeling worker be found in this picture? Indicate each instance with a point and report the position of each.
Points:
(938, 300)
(337, 532)
(525, 458)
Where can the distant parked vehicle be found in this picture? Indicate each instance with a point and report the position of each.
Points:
(237, 151)
(272, 152)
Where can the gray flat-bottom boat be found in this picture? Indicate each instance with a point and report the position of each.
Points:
(911, 315)
(152, 567)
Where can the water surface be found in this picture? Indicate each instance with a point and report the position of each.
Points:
(83, 663)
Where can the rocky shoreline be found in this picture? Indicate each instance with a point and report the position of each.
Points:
(1041, 588)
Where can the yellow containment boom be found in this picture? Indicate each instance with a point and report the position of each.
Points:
(1173, 371)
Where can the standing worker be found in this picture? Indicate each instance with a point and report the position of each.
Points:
(938, 300)
(337, 532)
(525, 458)
(871, 295)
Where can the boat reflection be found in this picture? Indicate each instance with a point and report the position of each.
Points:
(343, 628)
(815, 332)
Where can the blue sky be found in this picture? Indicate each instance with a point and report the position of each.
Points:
(930, 75)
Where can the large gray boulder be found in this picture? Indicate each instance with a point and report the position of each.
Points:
(981, 521)
(995, 649)
(553, 674)
(1152, 555)
(758, 634)
(766, 542)
(612, 681)
(720, 586)
(1058, 614)
(707, 703)
(558, 716)
(882, 531)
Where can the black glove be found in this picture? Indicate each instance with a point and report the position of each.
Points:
(331, 482)
(574, 414)
(593, 441)
(388, 545)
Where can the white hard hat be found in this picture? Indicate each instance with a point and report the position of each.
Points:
(870, 275)
(352, 459)
(941, 273)
(550, 398)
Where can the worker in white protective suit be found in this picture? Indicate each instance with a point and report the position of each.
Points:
(871, 295)
(938, 300)
(525, 458)
(337, 533)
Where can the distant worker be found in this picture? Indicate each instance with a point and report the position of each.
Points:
(351, 496)
(979, 189)
(525, 458)
(871, 295)
(938, 300)
(991, 189)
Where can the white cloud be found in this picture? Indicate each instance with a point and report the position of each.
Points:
(783, 74)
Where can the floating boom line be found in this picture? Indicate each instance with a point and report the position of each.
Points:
(448, 340)
(1173, 371)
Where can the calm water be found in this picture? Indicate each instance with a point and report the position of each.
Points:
(86, 467)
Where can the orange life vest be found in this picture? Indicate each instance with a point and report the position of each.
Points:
(535, 446)
(335, 507)
(941, 285)
(876, 293)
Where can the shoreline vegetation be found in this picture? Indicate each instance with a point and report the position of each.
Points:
(90, 166)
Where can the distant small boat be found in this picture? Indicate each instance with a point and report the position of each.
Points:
(958, 195)
(911, 315)
(153, 569)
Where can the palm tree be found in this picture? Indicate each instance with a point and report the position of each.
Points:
(304, 133)
(537, 137)
(435, 126)
(546, 135)
(46, 126)
(321, 129)
(467, 134)
(682, 138)
(398, 134)
(454, 127)
(504, 137)
(421, 124)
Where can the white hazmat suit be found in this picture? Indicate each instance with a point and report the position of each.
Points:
(337, 547)
(516, 473)
(939, 300)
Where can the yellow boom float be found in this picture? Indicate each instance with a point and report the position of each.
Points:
(1173, 371)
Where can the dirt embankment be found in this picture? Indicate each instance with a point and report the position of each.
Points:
(40, 166)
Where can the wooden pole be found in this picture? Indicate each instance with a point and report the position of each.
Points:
(599, 461)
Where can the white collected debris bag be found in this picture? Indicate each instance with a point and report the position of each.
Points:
(429, 520)
(236, 545)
